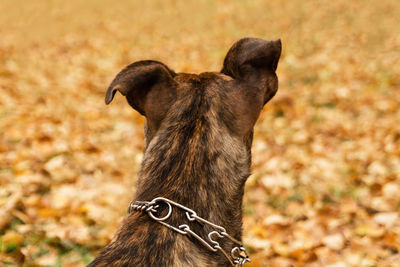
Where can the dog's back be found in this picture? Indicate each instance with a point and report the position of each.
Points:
(198, 138)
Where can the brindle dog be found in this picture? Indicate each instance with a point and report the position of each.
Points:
(199, 130)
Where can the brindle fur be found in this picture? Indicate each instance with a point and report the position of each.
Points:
(199, 131)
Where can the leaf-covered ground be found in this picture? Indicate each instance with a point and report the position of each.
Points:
(325, 189)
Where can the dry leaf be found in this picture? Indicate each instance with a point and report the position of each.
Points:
(388, 219)
(276, 219)
(11, 237)
(335, 241)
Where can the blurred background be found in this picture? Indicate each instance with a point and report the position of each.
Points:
(325, 189)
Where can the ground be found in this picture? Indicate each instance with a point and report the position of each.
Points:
(325, 188)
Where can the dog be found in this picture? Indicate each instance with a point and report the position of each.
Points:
(187, 210)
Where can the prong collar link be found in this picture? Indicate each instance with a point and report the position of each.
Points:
(237, 256)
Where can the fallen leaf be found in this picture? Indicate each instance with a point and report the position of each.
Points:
(335, 241)
(11, 237)
(371, 230)
(276, 219)
(388, 219)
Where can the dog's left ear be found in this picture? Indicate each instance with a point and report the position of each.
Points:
(253, 62)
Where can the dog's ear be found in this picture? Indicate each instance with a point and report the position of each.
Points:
(149, 88)
(253, 62)
(144, 83)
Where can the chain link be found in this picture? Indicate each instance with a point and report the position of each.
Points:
(237, 256)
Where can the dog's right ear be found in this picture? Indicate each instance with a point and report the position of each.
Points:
(148, 86)
(254, 61)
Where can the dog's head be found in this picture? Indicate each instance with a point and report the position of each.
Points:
(235, 96)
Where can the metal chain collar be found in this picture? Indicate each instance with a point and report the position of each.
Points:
(237, 256)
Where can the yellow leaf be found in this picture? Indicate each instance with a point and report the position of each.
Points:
(47, 212)
(370, 230)
(281, 249)
(12, 237)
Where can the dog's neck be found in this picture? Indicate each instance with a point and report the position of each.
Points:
(194, 160)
